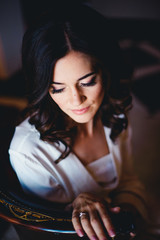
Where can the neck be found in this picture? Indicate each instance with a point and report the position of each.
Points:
(88, 129)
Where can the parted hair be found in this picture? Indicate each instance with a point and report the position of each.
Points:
(56, 33)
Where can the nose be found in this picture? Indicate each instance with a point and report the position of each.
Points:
(76, 97)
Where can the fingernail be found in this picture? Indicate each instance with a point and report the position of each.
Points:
(117, 209)
(112, 233)
(132, 234)
(80, 233)
(94, 238)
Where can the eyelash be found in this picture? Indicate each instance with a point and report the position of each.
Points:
(57, 91)
(91, 83)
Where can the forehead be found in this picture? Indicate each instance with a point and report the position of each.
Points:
(72, 66)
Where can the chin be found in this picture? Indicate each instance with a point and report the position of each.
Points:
(82, 119)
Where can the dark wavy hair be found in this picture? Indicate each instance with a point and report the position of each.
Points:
(56, 33)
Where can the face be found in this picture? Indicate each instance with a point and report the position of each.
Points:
(76, 88)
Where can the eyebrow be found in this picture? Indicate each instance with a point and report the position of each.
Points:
(87, 75)
(79, 79)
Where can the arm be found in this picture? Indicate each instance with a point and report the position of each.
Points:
(35, 179)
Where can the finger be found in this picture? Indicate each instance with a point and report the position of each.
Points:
(87, 227)
(97, 225)
(106, 219)
(77, 224)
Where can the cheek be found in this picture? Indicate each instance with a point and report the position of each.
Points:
(99, 93)
(58, 100)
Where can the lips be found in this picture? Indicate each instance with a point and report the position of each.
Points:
(80, 111)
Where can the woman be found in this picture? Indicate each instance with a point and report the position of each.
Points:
(74, 145)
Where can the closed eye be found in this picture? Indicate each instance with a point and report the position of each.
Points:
(53, 90)
(92, 82)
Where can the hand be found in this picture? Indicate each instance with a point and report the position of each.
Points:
(95, 220)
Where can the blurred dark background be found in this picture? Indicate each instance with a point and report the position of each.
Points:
(136, 24)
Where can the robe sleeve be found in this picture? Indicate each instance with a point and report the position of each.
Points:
(35, 179)
(130, 189)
